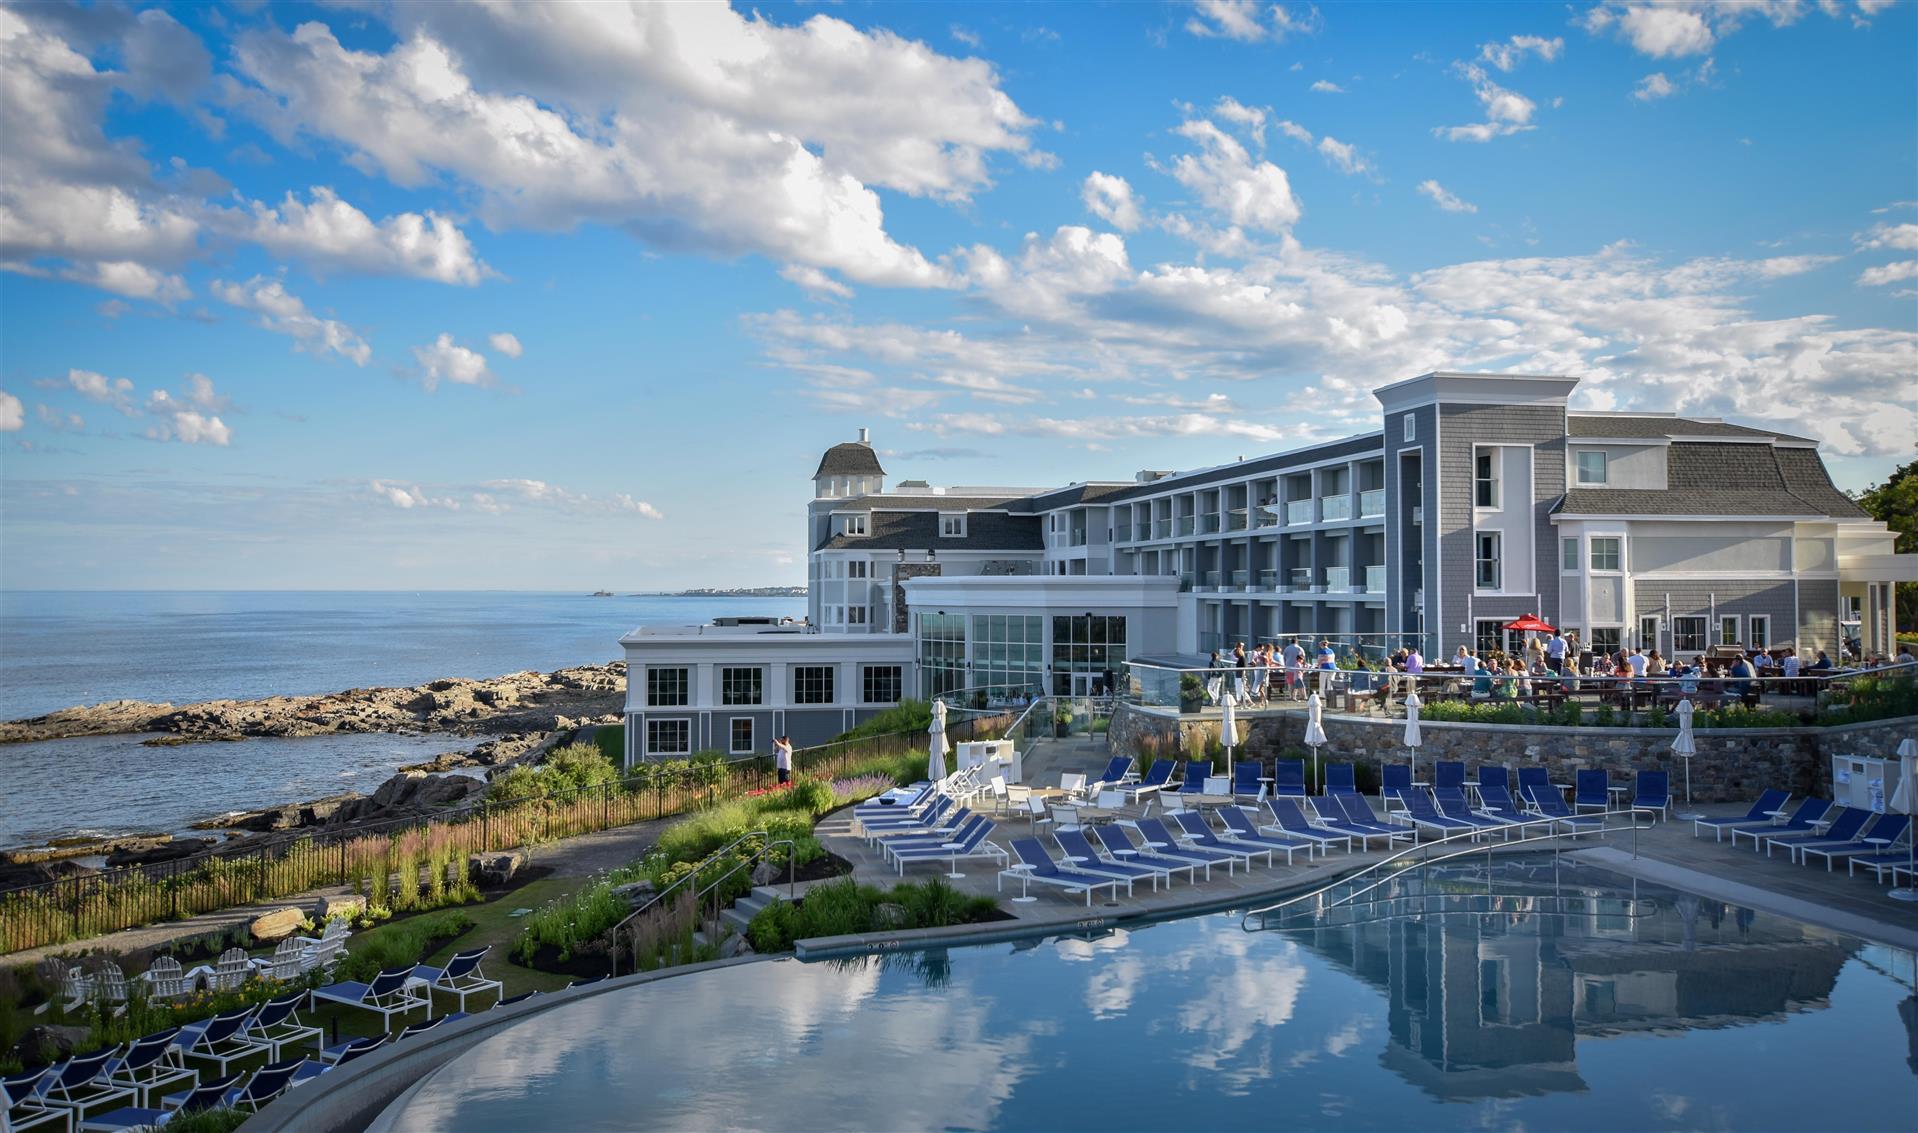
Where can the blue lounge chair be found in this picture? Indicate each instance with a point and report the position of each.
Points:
(932, 814)
(1040, 867)
(1758, 815)
(1118, 770)
(1197, 771)
(1448, 773)
(1591, 789)
(21, 1107)
(126, 1119)
(276, 1023)
(221, 1040)
(1330, 814)
(1494, 775)
(1452, 805)
(386, 996)
(587, 981)
(973, 841)
(267, 1083)
(1890, 827)
(1073, 844)
(1548, 802)
(460, 977)
(1425, 815)
(82, 1082)
(1168, 857)
(1291, 822)
(1653, 791)
(1846, 823)
(1497, 801)
(1359, 812)
(1393, 778)
(1194, 827)
(150, 1064)
(917, 841)
(1808, 811)
(921, 797)
(1181, 844)
(1240, 828)
(425, 1025)
(512, 999)
(941, 825)
(1536, 780)
(1156, 778)
(1890, 859)
(346, 1050)
(1340, 779)
(1245, 779)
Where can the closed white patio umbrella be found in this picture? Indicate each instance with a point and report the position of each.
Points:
(1315, 728)
(1229, 728)
(936, 761)
(1412, 738)
(1905, 801)
(1685, 745)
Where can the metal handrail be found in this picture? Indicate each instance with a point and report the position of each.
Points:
(613, 934)
(1390, 859)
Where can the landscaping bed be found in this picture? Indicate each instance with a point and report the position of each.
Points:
(842, 908)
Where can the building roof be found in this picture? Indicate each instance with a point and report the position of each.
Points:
(1074, 495)
(1725, 479)
(919, 531)
(852, 458)
(930, 503)
(1365, 444)
(1654, 426)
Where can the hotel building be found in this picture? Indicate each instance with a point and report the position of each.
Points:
(1481, 497)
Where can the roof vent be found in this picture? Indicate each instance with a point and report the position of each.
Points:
(1148, 475)
(865, 438)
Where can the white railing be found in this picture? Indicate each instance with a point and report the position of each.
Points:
(1337, 578)
(1335, 507)
(1298, 511)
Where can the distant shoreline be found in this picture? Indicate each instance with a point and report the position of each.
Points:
(726, 592)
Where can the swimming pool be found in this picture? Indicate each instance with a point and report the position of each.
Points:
(1519, 995)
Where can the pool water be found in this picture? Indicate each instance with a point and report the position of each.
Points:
(1529, 996)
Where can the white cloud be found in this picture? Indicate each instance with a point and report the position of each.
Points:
(1513, 51)
(1506, 111)
(12, 414)
(502, 494)
(1654, 86)
(505, 343)
(1889, 273)
(1903, 237)
(1675, 30)
(1109, 197)
(965, 35)
(188, 417)
(114, 392)
(408, 497)
(445, 360)
(1327, 86)
(1253, 194)
(282, 312)
(1252, 118)
(1662, 30)
(1444, 198)
(188, 426)
(1344, 156)
(1248, 21)
(330, 233)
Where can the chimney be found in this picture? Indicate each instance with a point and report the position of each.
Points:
(863, 437)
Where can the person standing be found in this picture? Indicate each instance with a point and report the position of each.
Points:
(783, 759)
(1555, 653)
(1294, 669)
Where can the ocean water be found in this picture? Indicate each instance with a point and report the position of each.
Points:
(62, 648)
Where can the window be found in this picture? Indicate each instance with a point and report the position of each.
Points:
(1648, 633)
(742, 735)
(1008, 655)
(1759, 627)
(858, 568)
(1568, 557)
(1608, 639)
(854, 525)
(1728, 630)
(855, 615)
(881, 684)
(952, 526)
(1591, 467)
(669, 737)
(1411, 426)
(1083, 643)
(1605, 554)
(812, 684)
(665, 687)
(1488, 635)
(1485, 478)
(741, 686)
(1485, 567)
(1688, 635)
(942, 653)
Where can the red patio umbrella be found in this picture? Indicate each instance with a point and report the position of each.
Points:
(1529, 623)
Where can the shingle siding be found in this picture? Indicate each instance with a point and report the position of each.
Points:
(1622, 427)
(1726, 479)
(1724, 597)
(1460, 428)
(919, 530)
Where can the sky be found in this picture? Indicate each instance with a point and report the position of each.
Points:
(547, 296)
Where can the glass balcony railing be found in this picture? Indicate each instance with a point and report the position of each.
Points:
(1185, 524)
(1122, 534)
(1375, 579)
(1299, 579)
(1208, 523)
(1162, 529)
(1240, 578)
(1268, 580)
(1210, 579)
(1337, 579)
(1265, 515)
(1335, 507)
(1235, 520)
(1298, 511)
(1372, 502)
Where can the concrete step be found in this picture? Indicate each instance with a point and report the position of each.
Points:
(736, 920)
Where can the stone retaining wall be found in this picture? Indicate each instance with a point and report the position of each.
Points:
(1732, 764)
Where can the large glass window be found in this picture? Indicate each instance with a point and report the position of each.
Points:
(812, 684)
(1760, 631)
(1485, 478)
(1607, 639)
(665, 687)
(1489, 635)
(1086, 643)
(1688, 635)
(1008, 655)
(669, 737)
(1568, 557)
(741, 686)
(881, 684)
(742, 735)
(942, 653)
(1485, 563)
(1591, 468)
(1605, 554)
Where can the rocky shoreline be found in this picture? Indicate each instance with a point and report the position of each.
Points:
(515, 703)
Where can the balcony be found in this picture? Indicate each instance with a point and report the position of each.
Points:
(1208, 523)
(1375, 579)
(1335, 507)
(1298, 580)
(1122, 534)
(1337, 579)
(1266, 515)
(1241, 579)
(1372, 503)
(1298, 511)
(1162, 529)
(1418, 513)
(1210, 580)
(1186, 523)
(1268, 580)
(1235, 520)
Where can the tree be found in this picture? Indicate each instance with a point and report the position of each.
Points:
(1895, 504)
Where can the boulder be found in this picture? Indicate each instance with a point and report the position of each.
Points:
(634, 893)
(494, 869)
(164, 851)
(15, 876)
(50, 1042)
(765, 873)
(277, 924)
(735, 945)
(348, 905)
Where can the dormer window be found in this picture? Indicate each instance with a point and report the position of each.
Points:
(1591, 467)
(952, 525)
(854, 525)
